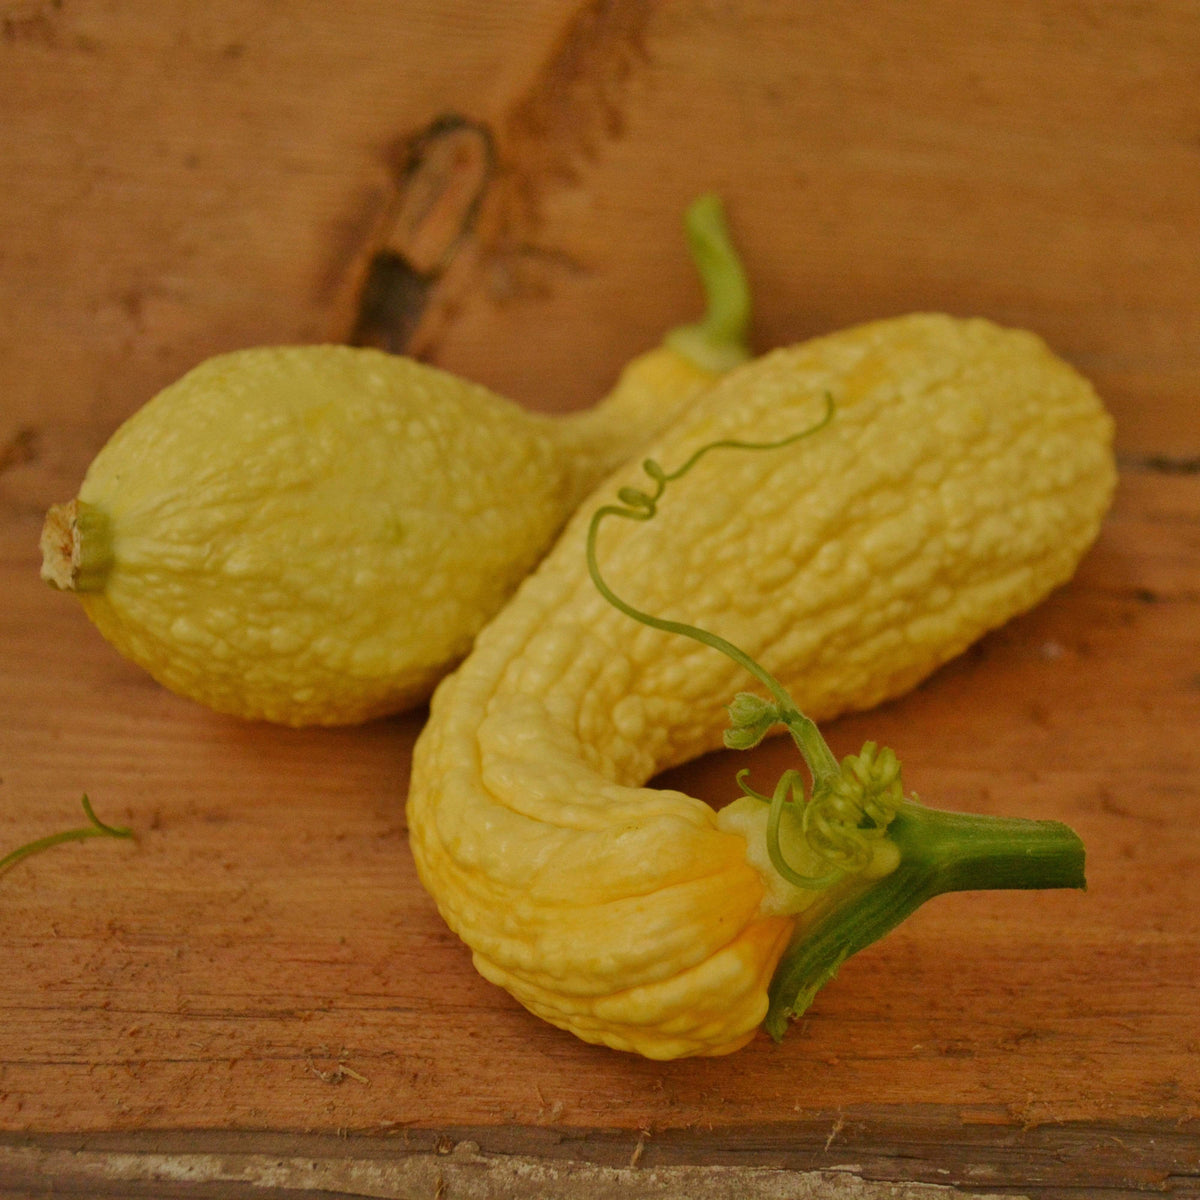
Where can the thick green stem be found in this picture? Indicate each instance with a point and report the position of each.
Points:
(939, 852)
(719, 341)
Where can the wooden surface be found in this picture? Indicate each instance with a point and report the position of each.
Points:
(256, 993)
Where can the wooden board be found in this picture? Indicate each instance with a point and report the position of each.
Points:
(259, 978)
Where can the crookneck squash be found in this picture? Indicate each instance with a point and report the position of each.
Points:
(951, 473)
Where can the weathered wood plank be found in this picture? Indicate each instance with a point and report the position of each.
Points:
(842, 1155)
(266, 936)
(183, 180)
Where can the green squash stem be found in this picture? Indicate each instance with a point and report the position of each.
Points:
(939, 852)
(717, 342)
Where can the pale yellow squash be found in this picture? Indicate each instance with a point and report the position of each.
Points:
(964, 472)
(314, 534)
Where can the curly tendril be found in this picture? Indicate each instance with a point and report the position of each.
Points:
(638, 505)
(852, 802)
(94, 828)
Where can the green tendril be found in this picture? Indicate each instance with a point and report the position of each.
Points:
(789, 790)
(638, 505)
(94, 828)
(852, 802)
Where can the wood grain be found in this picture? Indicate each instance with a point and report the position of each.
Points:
(1035, 162)
(261, 963)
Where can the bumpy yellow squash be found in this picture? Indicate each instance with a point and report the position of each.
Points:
(963, 472)
(314, 534)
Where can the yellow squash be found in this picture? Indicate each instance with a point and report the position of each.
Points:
(963, 472)
(314, 534)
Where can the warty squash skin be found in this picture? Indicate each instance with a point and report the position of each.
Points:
(965, 471)
(312, 535)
